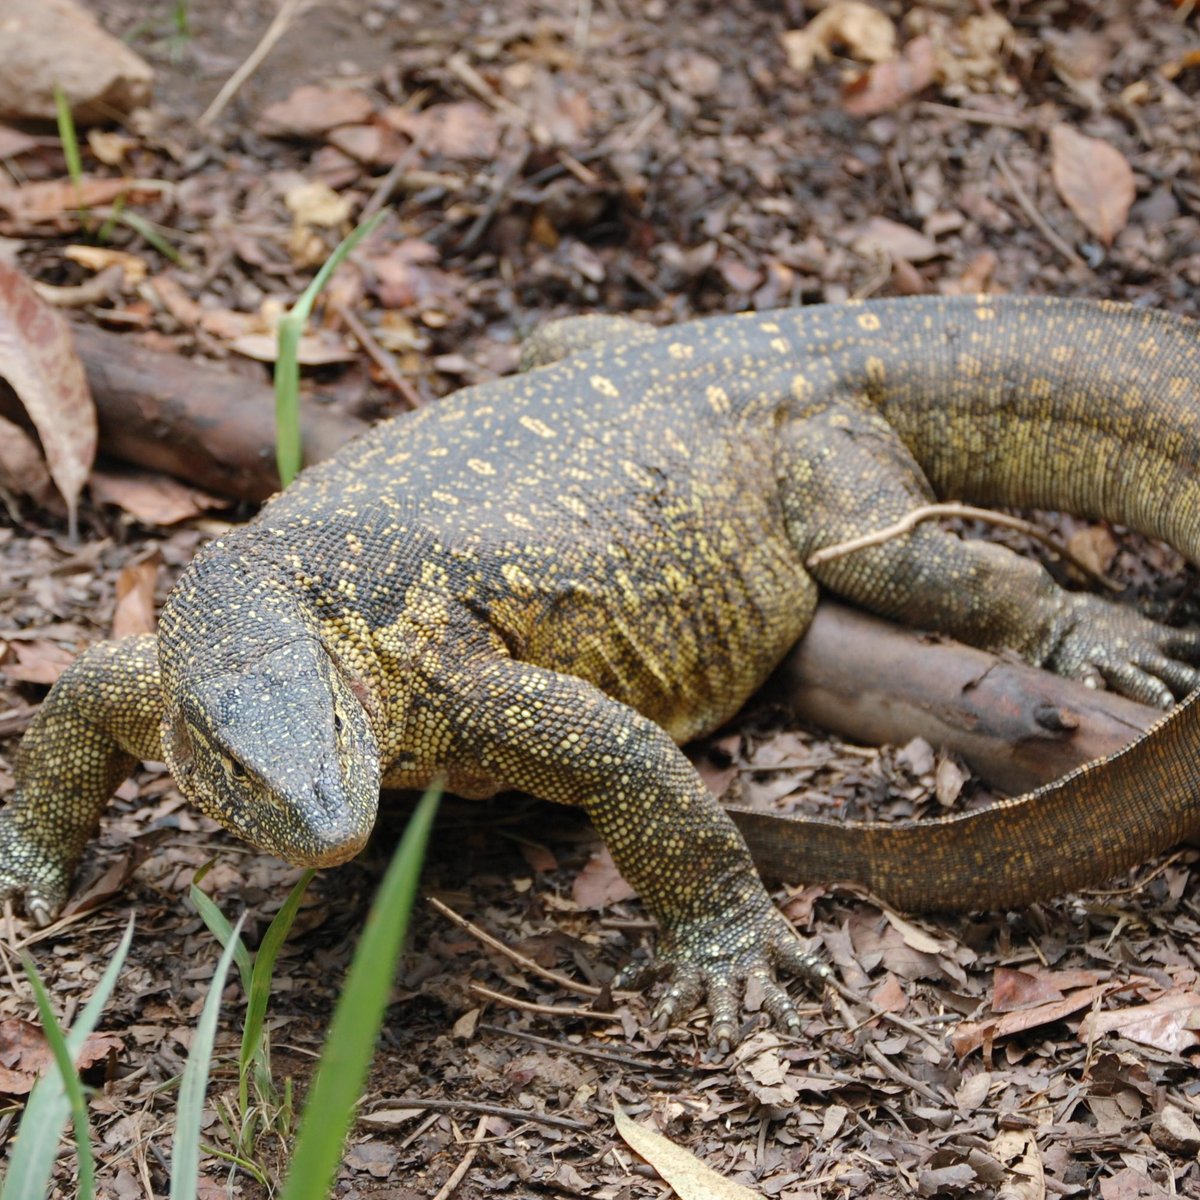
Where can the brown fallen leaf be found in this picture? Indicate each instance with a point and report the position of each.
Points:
(461, 130)
(1018, 1150)
(1094, 179)
(24, 1054)
(879, 235)
(21, 467)
(690, 1178)
(51, 198)
(152, 499)
(38, 359)
(1171, 1023)
(134, 612)
(885, 86)
(600, 883)
(311, 111)
(1014, 990)
(38, 660)
(970, 1035)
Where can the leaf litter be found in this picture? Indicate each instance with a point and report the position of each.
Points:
(667, 160)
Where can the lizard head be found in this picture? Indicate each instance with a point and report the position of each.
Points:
(280, 750)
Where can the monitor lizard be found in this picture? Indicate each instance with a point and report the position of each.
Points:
(548, 582)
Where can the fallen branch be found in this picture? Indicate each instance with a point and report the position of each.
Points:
(1017, 726)
(192, 419)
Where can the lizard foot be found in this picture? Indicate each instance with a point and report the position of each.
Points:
(31, 873)
(713, 958)
(1133, 655)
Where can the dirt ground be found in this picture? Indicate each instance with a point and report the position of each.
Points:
(664, 160)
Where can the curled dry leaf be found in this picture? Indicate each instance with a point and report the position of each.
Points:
(38, 360)
(865, 33)
(134, 612)
(1094, 180)
(885, 86)
(21, 467)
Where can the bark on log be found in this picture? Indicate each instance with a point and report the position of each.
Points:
(192, 419)
(1017, 726)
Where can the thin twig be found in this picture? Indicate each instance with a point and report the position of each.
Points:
(546, 1010)
(976, 115)
(526, 964)
(620, 1060)
(388, 184)
(477, 1106)
(463, 1167)
(1036, 219)
(883, 1015)
(501, 189)
(910, 520)
(382, 358)
(289, 10)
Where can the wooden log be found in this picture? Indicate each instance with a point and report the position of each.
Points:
(192, 419)
(1015, 725)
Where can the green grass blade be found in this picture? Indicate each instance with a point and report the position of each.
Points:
(185, 1149)
(69, 139)
(86, 1175)
(347, 1053)
(259, 991)
(288, 448)
(32, 1159)
(219, 926)
(149, 232)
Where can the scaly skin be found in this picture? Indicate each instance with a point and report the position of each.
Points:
(547, 582)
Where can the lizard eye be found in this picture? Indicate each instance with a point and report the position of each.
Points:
(338, 723)
(236, 769)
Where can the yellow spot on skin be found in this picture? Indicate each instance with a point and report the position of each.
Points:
(780, 345)
(876, 371)
(444, 497)
(680, 350)
(480, 467)
(1061, 353)
(536, 426)
(868, 321)
(605, 386)
(984, 313)
(718, 398)
(970, 366)
(354, 542)
(1177, 387)
(519, 521)
(801, 388)
(1041, 388)
(516, 578)
(769, 327)
(1148, 346)
(576, 505)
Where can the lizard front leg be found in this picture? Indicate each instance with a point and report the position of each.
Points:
(99, 720)
(560, 738)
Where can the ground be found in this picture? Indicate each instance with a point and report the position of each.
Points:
(664, 160)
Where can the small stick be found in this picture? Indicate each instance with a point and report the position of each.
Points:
(288, 11)
(501, 189)
(546, 1010)
(463, 1167)
(977, 115)
(490, 1110)
(1030, 210)
(388, 184)
(620, 1060)
(526, 964)
(924, 512)
(382, 358)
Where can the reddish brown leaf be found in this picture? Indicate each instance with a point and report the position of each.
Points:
(600, 883)
(887, 85)
(152, 499)
(38, 359)
(51, 198)
(134, 612)
(311, 111)
(24, 1054)
(1093, 179)
(39, 660)
(1013, 990)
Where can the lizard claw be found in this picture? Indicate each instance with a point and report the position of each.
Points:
(1133, 655)
(30, 874)
(712, 960)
